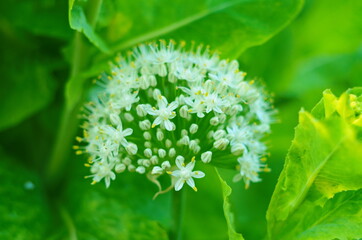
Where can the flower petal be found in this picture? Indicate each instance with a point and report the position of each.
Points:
(169, 125)
(191, 182)
(179, 184)
(198, 174)
(157, 121)
(190, 165)
(162, 102)
(127, 132)
(176, 173)
(173, 105)
(180, 163)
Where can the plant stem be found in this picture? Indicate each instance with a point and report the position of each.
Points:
(69, 121)
(178, 199)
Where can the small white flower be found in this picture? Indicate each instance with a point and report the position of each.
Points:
(249, 169)
(103, 170)
(164, 113)
(118, 134)
(185, 174)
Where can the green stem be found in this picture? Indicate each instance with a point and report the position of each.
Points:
(178, 199)
(72, 232)
(69, 120)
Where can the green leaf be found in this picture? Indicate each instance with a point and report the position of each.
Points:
(230, 26)
(27, 81)
(322, 165)
(41, 17)
(23, 209)
(339, 218)
(229, 216)
(316, 74)
(78, 21)
(123, 211)
(207, 201)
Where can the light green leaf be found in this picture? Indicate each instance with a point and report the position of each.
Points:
(229, 216)
(323, 162)
(23, 209)
(78, 21)
(340, 218)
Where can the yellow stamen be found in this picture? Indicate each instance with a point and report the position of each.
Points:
(193, 159)
(169, 172)
(85, 133)
(195, 189)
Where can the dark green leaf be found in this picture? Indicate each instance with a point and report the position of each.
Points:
(123, 211)
(23, 209)
(27, 83)
(41, 17)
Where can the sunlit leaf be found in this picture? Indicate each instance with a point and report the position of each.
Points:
(229, 215)
(323, 162)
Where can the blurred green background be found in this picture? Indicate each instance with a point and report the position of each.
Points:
(321, 48)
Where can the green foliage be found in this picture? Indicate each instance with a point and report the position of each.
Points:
(78, 21)
(41, 17)
(318, 196)
(226, 192)
(23, 209)
(233, 22)
(124, 211)
(236, 26)
(28, 85)
(319, 187)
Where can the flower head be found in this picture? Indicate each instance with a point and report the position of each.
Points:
(164, 104)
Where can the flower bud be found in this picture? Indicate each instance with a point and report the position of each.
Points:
(206, 157)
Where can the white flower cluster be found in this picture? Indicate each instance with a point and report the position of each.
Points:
(163, 106)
